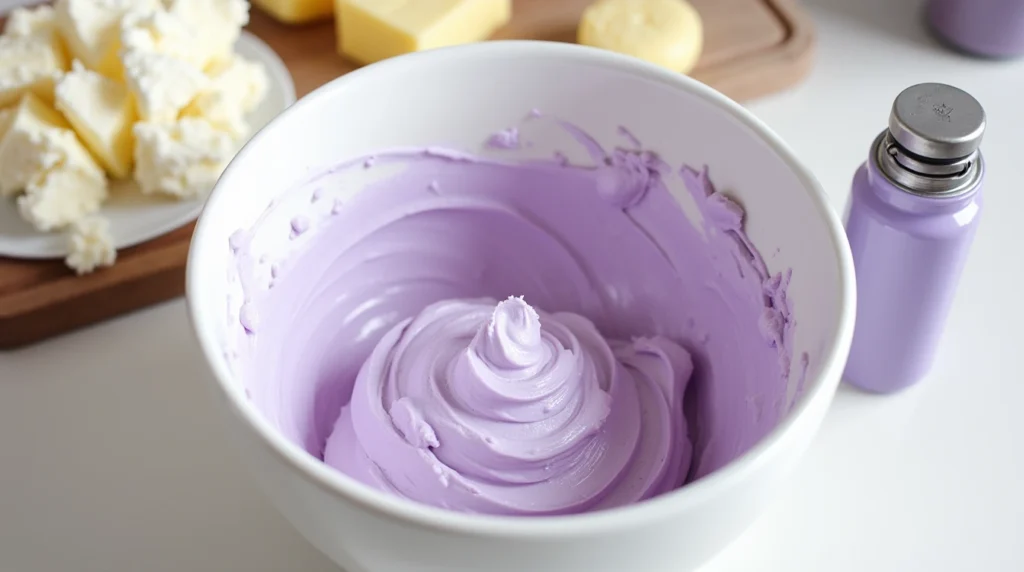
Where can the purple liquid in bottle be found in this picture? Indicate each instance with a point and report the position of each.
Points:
(990, 28)
(912, 216)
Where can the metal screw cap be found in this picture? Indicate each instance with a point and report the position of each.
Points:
(937, 121)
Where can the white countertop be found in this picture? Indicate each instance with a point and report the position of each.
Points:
(112, 458)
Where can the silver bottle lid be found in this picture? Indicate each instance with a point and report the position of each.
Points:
(931, 145)
(937, 121)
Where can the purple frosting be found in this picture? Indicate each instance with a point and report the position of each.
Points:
(631, 351)
(505, 139)
(501, 410)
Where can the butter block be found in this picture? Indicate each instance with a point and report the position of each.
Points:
(372, 30)
(101, 111)
(161, 85)
(297, 11)
(91, 245)
(183, 159)
(664, 32)
(234, 90)
(91, 30)
(215, 23)
(29, 64)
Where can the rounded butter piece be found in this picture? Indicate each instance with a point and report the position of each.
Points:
(664, 32)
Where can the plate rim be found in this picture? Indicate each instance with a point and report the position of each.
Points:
(278, 75)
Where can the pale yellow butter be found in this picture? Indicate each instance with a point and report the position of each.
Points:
(101, 112)
(665, 32)
(297, 11)
(372, 30)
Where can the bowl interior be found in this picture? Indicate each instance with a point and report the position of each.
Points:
(455, 99)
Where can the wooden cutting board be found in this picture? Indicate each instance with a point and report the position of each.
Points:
(752, 48)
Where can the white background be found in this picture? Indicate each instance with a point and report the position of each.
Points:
(111, 458)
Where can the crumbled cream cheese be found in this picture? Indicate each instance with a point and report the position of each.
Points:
(36, 138)
(183, 159)
(101, 112)
(6, 117)
(235, 90)
(91, 29)
(91, 245)
(29, 64)
(24, 155)
(217, 25)
(42, 156)
(61, 196)
(155, 92)
(161, 32)
(162, 85)
(39, 20)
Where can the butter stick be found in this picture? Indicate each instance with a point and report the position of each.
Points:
(372, 30)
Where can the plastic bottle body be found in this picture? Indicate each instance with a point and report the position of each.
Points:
(909, 252)
(989, 28)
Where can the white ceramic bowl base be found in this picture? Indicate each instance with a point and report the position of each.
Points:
(134, 217)
(456, 97)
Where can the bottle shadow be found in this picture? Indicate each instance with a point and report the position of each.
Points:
(901, 21)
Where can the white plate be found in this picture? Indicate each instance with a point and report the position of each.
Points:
(135, 218)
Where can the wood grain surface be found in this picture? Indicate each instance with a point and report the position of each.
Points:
(752, 48)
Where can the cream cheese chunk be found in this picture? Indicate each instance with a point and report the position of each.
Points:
(217, 25)
(38, 20)
(91, 29)
(91, 245)
(161, 32)
(161, 84)
(149, 91)
(183, 159)
(29, 64)
(41, 156)
(234, 90)
(101, 112)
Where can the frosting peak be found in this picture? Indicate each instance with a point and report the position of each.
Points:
(497, 408)
(512, 338)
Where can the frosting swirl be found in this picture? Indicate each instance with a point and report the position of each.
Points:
(497, 408)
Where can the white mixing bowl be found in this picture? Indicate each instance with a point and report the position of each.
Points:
(456, 97)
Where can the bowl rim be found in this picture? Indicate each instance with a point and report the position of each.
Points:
(648, 512)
